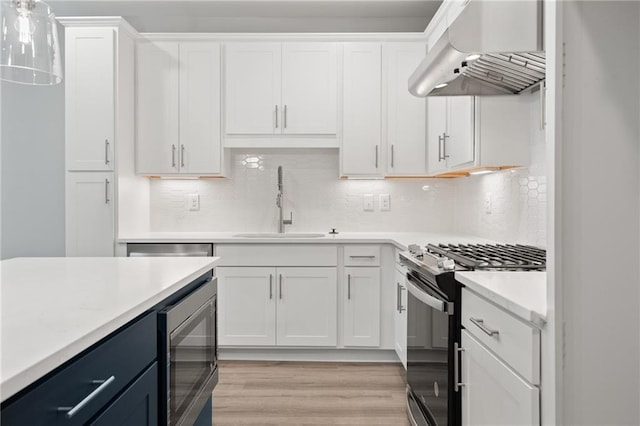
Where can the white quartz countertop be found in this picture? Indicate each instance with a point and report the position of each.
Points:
(399, 239)
(522, 293)
(54, 308)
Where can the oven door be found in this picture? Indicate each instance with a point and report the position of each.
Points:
(429, 393)
(191, 355)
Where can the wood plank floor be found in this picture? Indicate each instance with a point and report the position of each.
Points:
(309, 393)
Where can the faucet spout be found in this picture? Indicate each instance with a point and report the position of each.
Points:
(281, 220)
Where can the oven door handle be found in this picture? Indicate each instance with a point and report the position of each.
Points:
(426, 298)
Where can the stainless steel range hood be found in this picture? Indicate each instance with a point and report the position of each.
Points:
(493, 47)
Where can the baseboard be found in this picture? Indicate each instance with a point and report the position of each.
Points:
(316, 355)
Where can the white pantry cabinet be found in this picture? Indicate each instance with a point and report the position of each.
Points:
(89, 214)
(280, 89)
(99, 121)
(284, 306)
(361, 306)
(178, 108)
(362, 110)
(90, 68)
(406, 143)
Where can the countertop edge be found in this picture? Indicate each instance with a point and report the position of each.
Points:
(22, 379)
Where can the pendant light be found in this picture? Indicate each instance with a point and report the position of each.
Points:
(30, 51)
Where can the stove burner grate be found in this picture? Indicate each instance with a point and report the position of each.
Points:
(513, 257)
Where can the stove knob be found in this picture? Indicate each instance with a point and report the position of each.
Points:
(446, 264)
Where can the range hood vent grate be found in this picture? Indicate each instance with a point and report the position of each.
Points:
(513, 73)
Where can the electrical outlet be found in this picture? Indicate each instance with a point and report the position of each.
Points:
(367, 202)
(193, 202)
(385, 202)
(488, 203)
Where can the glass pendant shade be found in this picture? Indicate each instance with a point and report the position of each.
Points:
(30, 51)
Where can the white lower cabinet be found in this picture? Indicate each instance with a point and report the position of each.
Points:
(400, 317)
(361, 306)
(283, 306)
(494, 394)
(90, 214)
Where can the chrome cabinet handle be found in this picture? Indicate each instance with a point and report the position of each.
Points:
(106, 191)
(376, 156)
(392, 156)
(362, 256)
(399, 306)
(349, 287)
(285, 117)
(71, 411)
(439, 148)
(457, 352)
(444, 146)
(182, 155)
(280, 286)
(173, 155)
(480, 323)
(106, 151)
(276, 116)
(270, 286)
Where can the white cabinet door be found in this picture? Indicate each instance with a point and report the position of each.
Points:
(252, 88)
(309, 88)
(400, 318)
(89, 98)
(157, 108)
(307, 307)
(406, 114)
(90, 214)
(459, 145)
(246, 306)
(361, 128)
(200, 138)
(492, 393)
(361, 301)
(436, 129)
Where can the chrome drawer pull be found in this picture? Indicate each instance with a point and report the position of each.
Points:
(457, 352)
(349, 286)
(480, 323)
(362, 257)
(72, 411)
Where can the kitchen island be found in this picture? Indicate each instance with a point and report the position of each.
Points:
(56, 309)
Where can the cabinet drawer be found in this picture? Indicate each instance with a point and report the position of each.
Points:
(117, 361)
(358, 255)
(517, 343)
(277, 254)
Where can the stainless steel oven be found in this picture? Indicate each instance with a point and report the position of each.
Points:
(432, 331)
(188, 355)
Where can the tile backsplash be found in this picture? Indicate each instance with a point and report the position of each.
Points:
(507, 206)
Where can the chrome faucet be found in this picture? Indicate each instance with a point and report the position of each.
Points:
(279, 202)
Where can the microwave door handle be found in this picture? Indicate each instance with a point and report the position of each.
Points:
(427, 299)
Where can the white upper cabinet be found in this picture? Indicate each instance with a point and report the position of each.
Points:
(406, 114)
(280, 90)
(157, 107)
(362, 110)
(309, 88)
(178, 108)
(450, 134)
(252, 88)
(90, 98)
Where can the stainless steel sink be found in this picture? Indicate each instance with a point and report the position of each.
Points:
(278, 235)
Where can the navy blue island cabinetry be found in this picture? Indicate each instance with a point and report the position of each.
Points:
(113, 382)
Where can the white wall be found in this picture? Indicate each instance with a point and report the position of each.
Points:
(597, 232)
(32, 192)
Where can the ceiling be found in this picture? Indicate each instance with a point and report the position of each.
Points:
(259, 15)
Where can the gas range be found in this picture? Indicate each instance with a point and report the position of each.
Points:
(436, 259)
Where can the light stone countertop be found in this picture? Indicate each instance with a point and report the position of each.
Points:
(54, 308)
(521, 293)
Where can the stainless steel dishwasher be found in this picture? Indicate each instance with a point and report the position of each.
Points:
(169, 249)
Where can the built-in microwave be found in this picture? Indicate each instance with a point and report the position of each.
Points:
(188, 355)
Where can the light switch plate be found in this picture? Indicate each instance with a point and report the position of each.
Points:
(385, 202)
(193, 202)
(367, 202)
